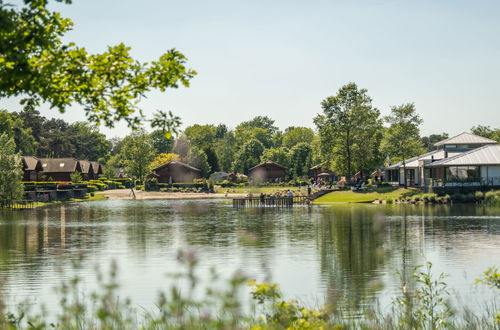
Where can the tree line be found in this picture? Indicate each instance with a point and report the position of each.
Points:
(350, 135)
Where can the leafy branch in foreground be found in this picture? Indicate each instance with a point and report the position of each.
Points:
(36, 64)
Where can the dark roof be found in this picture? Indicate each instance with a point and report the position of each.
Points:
(31, 163)
(176, 162)
(60, 165)
(269, 163)
(97, 167)
(86, 166)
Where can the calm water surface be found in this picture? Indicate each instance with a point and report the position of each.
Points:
(347, 253)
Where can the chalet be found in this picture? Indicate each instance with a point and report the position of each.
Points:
(87, 170)
(98, 169)
(31, 167)
(59, 169)
(268, 171)
(320, 171)
(417, 172)
(175, 171)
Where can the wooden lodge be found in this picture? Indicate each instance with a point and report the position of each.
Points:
(31, 167)
(268, 171)
(87, 170)
(175, 172)
(60, 169)
(320, 171)
(98, 169)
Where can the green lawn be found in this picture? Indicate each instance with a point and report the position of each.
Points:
(369, 195)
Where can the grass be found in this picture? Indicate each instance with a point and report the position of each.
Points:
(98, 196)
(368, 195)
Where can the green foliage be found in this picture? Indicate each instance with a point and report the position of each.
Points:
(248, 156)
(349, 129)
(225, 149)
(15, 128)
(11, 171)
(278, 155)
(167, 122)
(300, 159)
(76, 177)
(260, 128)
(160, 143)
(37, 64)
(198, 158)
(429, 141)
(295, 135)
(487, 132)
(137, 153)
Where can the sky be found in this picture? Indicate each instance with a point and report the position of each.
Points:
(282, 58)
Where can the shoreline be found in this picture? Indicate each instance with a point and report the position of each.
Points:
(125, 194)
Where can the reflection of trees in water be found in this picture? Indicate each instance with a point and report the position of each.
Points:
(351, 244)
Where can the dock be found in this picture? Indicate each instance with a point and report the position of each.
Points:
(270, 201)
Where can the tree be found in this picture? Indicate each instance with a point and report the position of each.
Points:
(137, 153)
(348, 128)
(201, 136)
(295, 135)
(278, 155)
(248, 156)
(260, 128)
(300, 159)
(88, 142)
(11, 171)
(161, 159)
(402, 138)
(167, 123)
(36, 64)
(197, 158)
(225, 149)
(212, 158)
(487, 132)
(182, 146)
(14, 127)
(160, 142)
(429, 141)
(114, 162)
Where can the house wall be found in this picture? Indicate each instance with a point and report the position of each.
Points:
(268, 174)
(30, 176)
(57, 176)
(178, 174)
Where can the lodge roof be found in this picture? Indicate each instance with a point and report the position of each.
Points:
(486, 155)
(176, 162)
(466, 138)
(86, 166)
(97, 167)
(60, 165)
(31, 163)
(269, 163)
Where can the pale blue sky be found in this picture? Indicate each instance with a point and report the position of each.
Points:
(281, 58)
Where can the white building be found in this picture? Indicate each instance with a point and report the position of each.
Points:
(419, 170)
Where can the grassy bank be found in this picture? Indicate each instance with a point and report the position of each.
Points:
(368, 195)
(259, 190)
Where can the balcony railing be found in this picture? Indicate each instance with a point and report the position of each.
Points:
(463, 182)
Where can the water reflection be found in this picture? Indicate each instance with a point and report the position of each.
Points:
(347, 254)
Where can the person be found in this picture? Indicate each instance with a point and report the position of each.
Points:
(262, 197)
(289, 193)
(308, 190)
(227, 192)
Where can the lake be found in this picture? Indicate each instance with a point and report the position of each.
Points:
(341, 253)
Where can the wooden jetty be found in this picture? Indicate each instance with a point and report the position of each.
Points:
(270, 201)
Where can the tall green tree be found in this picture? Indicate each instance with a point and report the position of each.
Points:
(295, 135)
(88, 143)
(201, 136)
(300, 159)
(248, 156)
(11, 170)
(260, 128)
(160, 142)
(37, 65)
(137, 153)
(198, 158)
(402, 138)
(347, 128)
(14, 127)
(278, 155)
(226, 149)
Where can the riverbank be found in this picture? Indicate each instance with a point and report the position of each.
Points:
(121, 194)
